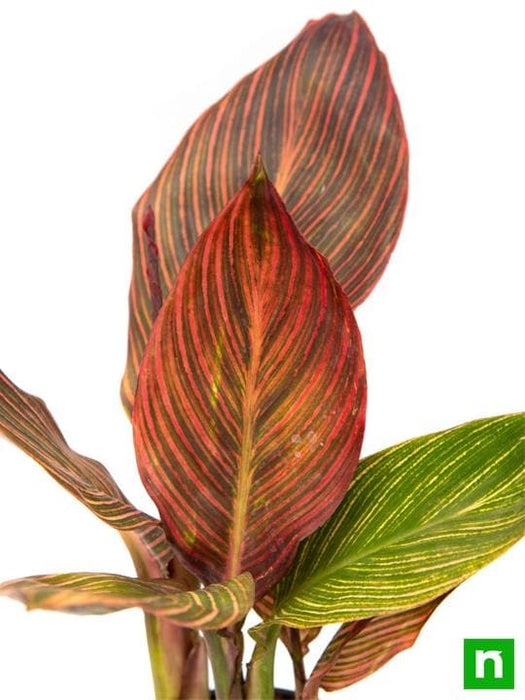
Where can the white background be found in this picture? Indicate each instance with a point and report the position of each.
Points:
(95, 97)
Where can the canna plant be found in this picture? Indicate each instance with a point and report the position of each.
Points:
(245, 383)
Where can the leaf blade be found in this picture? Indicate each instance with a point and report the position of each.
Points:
(233, 422)
(214, 607)
(324, 115)
(26, 421)
(395, 542)
(360, 648)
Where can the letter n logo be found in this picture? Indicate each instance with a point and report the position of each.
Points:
(488, 663)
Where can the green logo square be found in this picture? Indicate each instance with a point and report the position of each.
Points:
(488, 663)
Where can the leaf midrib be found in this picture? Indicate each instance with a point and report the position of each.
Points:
(245, 473)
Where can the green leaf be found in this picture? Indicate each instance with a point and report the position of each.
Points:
(264, 607)
(419, 518)
(324, 116)
(214, 607)
(26, 421)
(361, 647)
(250, 407)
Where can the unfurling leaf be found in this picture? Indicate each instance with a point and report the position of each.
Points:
(325, 117)
(418, 519)
(26, 421)
(216, 606)
(361, 647)
(250, 406)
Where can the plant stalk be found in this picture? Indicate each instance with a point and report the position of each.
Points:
(225, 653)
(168, 648)
(260, 674)
(177, 655)
(219, 665)
(195, 684)
(298, 664)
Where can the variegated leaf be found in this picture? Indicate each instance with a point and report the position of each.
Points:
(250, 407)
(361, 647)
(26, 421)
(418, 519)
(299, 646)
(214, 607)
(324, 116)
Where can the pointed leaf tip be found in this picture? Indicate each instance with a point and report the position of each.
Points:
(258, 171)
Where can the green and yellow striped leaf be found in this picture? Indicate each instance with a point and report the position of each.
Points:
(214, 607)
(418, 519)
(361, 647)
(251, 399)
(325, 117)
(297, 647)
(26, 421)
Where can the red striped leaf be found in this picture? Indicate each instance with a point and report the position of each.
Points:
(214, 607)
(250, 406)
(26, 421)
(361, 647)
(324, 116)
